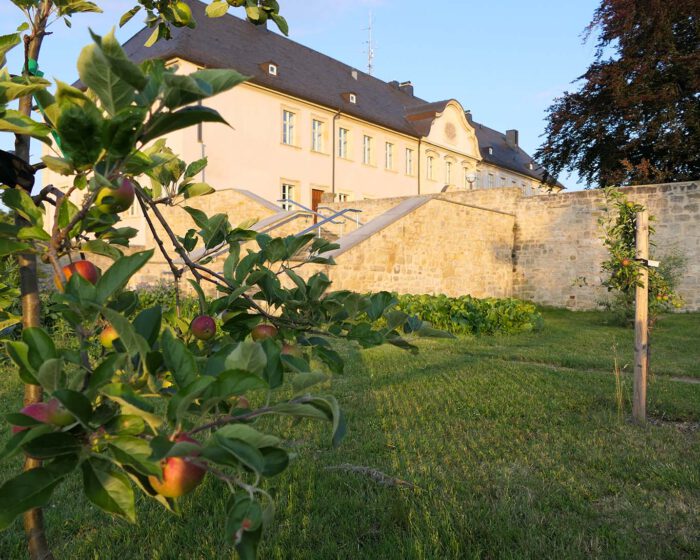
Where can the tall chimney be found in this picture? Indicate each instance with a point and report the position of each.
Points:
(512, 138)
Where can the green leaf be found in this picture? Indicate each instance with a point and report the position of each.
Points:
(80, 130)
(331, 358)
(40, 344)
(247, 356)
(196, 189)
(164, 123)
(276, 460)
(128, 15)
(237, 382)
(195, 167)
(132, 341)
(31, 489)
(97, 74)
(134, 452)
(300, 410)
(99, 247)
(126, 425)
(330, 406)
(147, 324)
(33, 232)
(273, 372)
(7, 42)
(181, 401)
(19, 353)
(131, 403)
(119, 62)
(11, 89)
(49, 374)
(119, 274)
(304, 380)
(52, 445)
(75, 403)
(15, 443)
(9, 247)
(22, 203)
(17, 123)
(216, 9)
(108, 489)
(178, 359)
(247, 454)
(248, 434)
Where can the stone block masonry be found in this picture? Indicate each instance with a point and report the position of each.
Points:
(491, 242)
(558, 247)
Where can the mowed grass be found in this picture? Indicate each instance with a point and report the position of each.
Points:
(513, 446)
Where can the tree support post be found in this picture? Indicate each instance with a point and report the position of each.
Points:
(641, 320)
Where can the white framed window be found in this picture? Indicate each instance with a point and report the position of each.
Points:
(341, 197)
(288, 125)
(429, 167)
(317, 128)
(353, 98)
(389, 155)
(272, 69)
(448, 172)
(287, 194)
(343, 135)
(503, 181)
(492, 181)
(409, 161)
(367, 154)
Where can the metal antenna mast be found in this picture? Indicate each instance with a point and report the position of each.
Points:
(370, 47)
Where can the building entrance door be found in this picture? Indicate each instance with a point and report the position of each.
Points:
(316, 195)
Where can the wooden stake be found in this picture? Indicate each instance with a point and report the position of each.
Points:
(641, 321)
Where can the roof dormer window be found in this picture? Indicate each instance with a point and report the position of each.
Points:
(272, 69)
(490, 149)
(531, 166)
(352, 98)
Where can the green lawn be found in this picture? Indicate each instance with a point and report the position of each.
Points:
(513, 444)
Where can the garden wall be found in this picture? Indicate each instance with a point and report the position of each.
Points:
(438, 247)
(558, 248)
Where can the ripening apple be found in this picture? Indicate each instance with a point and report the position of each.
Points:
(180, 475)
(261, 332)
(113, 201)
(203, 327)
(50, 412)
(182, 15)
(626, 262)
(107, 337)
(83, 268)
(291, 350)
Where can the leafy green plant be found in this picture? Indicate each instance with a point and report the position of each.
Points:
(469, 315)
(152, 399)
(622, 269)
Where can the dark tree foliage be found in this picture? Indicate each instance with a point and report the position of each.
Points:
(636, 117)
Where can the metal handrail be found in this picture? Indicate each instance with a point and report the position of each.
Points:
(305, 208)
(326, 220)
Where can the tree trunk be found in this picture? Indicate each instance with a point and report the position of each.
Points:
(29, 286)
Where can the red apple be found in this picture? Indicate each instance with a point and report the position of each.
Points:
(113, 201)
(625, 262)
(261, 332)
(107, 337)
(180, 475)
(291, 350)
(50, 412)
(203, 327)
(83, 268)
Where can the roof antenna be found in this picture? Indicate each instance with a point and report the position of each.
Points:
(370, 47)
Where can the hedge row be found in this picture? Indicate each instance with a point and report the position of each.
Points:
(470, 315)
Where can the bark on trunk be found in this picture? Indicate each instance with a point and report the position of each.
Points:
(29, 286)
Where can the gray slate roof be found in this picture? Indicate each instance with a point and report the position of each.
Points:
(231, 42)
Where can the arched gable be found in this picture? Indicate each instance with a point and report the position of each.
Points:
(451, 129)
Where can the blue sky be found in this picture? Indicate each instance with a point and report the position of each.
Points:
(505, 60)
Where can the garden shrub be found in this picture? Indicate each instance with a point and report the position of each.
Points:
(470, 315)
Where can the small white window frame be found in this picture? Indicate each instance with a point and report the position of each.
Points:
(272, 69)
